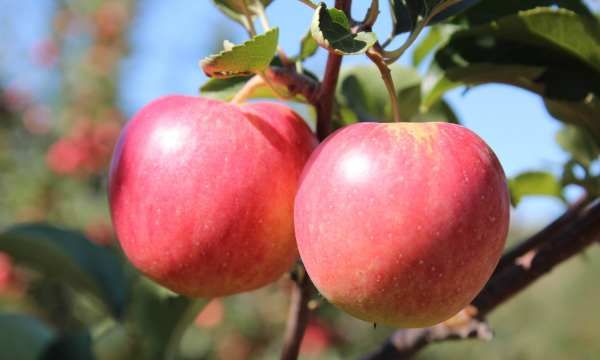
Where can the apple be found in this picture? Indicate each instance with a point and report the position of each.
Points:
(201, 193)
(401, 224)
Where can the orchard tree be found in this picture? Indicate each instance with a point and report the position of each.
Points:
(379, 204)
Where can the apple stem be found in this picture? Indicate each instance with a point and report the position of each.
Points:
(375, 55)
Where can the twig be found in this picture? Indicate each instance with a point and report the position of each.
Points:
(522, 248)
(249, 21)
(293, 82)
(310, 4)
(392, 56)
(298, 315)
(582, 230)
(327, 94)
(299, 311)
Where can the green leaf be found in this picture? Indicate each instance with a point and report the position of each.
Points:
(308, 47)
(534, 183)
(160, 319)
(70, 258)
(488, 11)
(251, 57)
(435, 37)
(71, 346)
(579, 143)
(362, 92)
(331, 30)
(223, 89)
(23, 337)
(407, 13)
(554, 53)
(235, 8)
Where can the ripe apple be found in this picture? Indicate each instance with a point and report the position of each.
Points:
(201, 193)
(401, 224)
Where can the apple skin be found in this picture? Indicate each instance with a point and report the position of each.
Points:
(201, 193)
(401, 224)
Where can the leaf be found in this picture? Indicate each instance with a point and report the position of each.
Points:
(251, 57)
(554, 53)
(533, 183)
(435, 37)
(407, 13)
(331, 30)
(235, 8)
(308, 47)
(71, 346)
(160, 318)
(223, 89)
(23, 337)
(488, 11)
(579, 143)
(69, 257)
(362, 92)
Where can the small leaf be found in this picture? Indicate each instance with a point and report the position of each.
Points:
(579, 143)
(308, 47)
(331, 30)
(161, 318)
(69, 257)
(23, 337)
(534, 183)
(435, 37)
(407, 13)
(223, 89)
(235, 8)
(251, 57)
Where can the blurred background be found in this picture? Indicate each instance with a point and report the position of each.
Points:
(73, 71)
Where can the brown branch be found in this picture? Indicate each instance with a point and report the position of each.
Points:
(558, 245)
(536, 240)
(327, 92)
(298, 315)
(303, 289)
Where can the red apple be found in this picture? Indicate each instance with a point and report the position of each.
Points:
(402, 224)
(201, 193)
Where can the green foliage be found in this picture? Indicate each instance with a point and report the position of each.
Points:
(23, 337)
(407, 13)
(251, 57)
(236, 9)
(331, 30)
(362, 91)
(554, 53)
(69, 257)
(580, 144)
(308, 47)
(533, 183)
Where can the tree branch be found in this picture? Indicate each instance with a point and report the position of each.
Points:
(303, 289)
(298, 315)
(558, 244)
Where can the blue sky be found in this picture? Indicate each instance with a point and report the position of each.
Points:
(169, 38)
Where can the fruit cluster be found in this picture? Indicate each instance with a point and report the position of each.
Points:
(400, 224)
